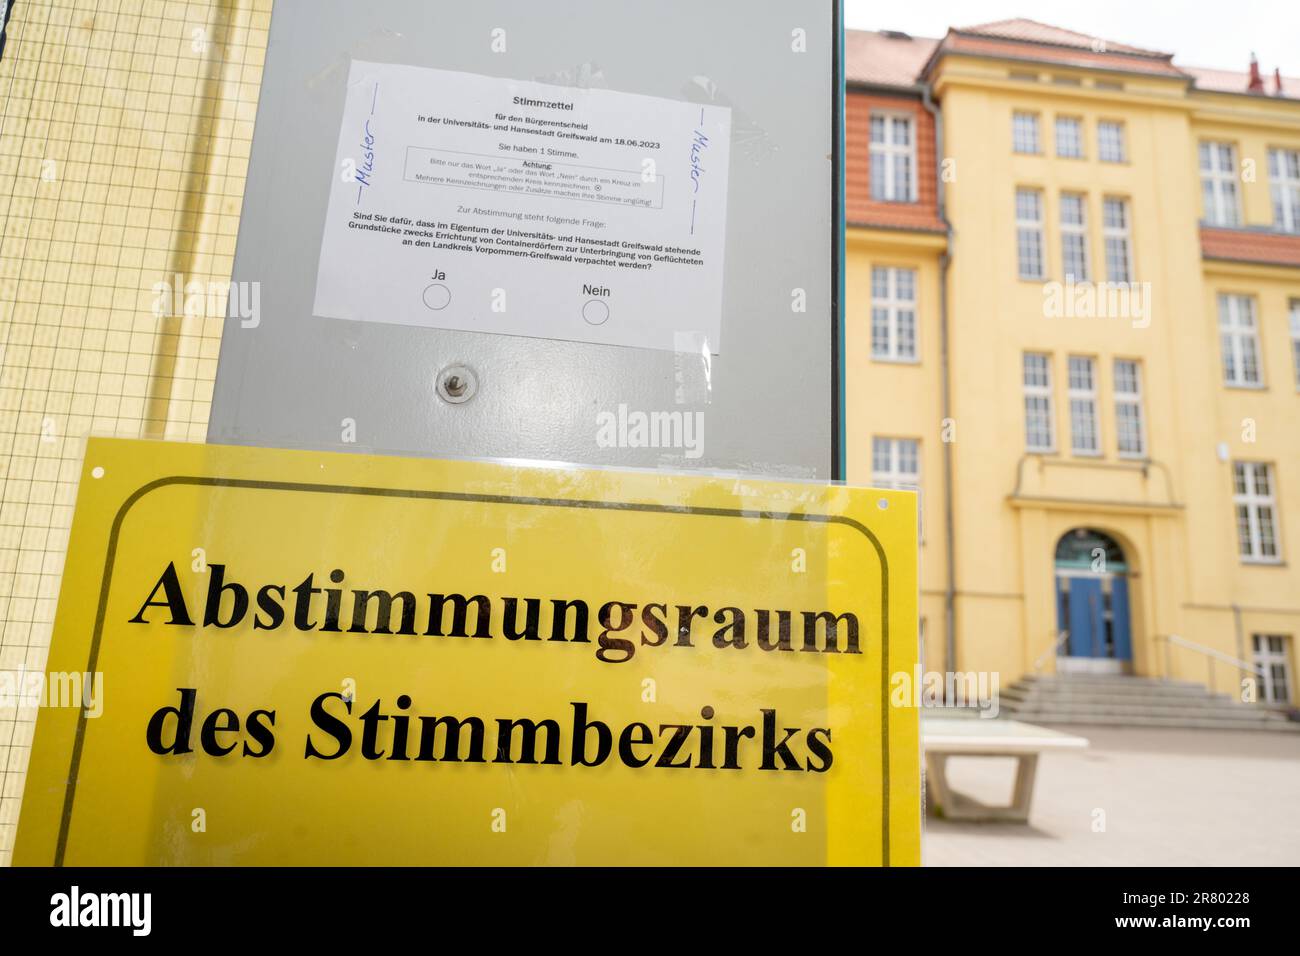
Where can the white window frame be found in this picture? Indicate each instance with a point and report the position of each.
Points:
(1026, 135)
(1104, 141)
(1038, 402)
(1078, 230)
(893, 475)
(1085, 422)
(1284, 188)
(1077, 137)
(1130, 399)
(894, 305)
(1239, 339)
(1250, 503)
(890, 153)
(1030, 230)
(1295, 339)
(1266, 658)
(1116, 235)
(1219, 190)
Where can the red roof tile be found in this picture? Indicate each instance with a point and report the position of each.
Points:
(889, 58)
(1031, 31)
(1251, 245)
(885, 59)
(860, 208)
(1238, 81)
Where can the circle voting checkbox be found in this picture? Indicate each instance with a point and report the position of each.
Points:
(596, 312)
(437, 296)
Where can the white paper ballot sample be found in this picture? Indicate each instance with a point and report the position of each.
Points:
(505, 206)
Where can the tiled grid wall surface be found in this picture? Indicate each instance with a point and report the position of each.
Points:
(124, 136)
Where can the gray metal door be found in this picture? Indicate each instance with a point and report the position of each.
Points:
(763, 397)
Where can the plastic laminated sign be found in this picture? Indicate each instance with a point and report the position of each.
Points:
(314, 658)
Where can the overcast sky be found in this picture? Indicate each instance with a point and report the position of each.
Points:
(1197, 32)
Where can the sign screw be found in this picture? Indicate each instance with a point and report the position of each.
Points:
(456, 384)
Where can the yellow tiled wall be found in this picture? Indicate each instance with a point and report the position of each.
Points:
(124, 135)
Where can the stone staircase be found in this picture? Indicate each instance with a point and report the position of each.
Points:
(1118, 700)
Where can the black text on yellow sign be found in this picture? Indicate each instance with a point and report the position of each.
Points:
(321, 659)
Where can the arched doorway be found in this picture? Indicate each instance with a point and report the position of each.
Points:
(1092, 603)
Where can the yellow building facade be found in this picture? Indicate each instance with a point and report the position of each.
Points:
(1101, 402)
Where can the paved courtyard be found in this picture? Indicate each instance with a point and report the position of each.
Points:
(1164, 797)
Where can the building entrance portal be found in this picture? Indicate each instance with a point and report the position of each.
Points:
(1092, 604)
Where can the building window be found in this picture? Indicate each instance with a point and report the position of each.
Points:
(1295, 339)
(896, 463)
(1239, 340)
(1115, 232)
(1128, 409)
(1284, 179)
(1274, 665)
(1024, 132)
(1069, 137)
(1074, 236)
(1084, 439)
(1252, 495)
(1110, 142)
(1038, 402)
(893, 314)
(893, 158)
(1218, 163)
(1029, 233)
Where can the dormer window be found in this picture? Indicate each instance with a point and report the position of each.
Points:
(893, 158)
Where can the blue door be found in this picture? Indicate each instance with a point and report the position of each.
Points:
(1095, 611)
(1086, 621)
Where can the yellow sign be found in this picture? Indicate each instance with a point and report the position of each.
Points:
(341, 659)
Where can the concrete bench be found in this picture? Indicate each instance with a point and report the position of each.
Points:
(945, 737)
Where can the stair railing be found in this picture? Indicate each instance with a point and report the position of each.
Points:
(1052, 651)
(1210, 654)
